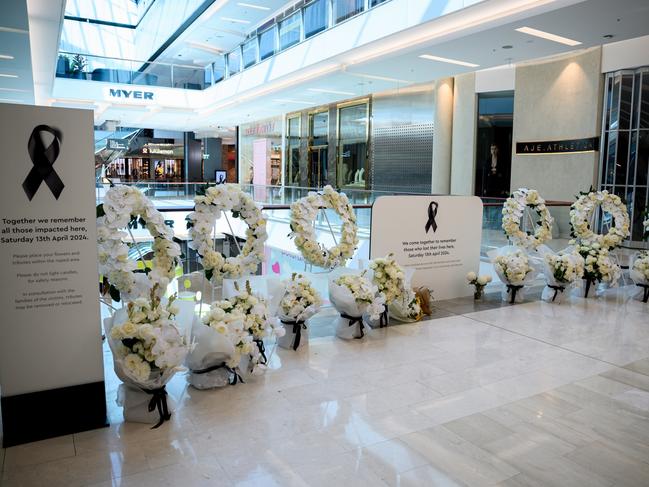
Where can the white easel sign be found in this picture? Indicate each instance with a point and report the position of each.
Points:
(438, 236)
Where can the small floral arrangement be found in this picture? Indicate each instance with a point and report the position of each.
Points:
(300, 300)
(149, 342)
(641, 267)
(514, 267)
(598, 265)
(388, 276)
(406, 307)
(565, 268)
(365, 294)
(480, 282)
(304, 212)
(228, 321)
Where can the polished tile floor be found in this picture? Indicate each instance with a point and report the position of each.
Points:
(534, 394)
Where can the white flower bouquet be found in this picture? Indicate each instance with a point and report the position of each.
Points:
(479, 282)
(148, 349)
(259, 323)
(515, 270)
(561, 271)
(300, 301)
(599, 266)
(640, 273)
(353, 295)
(390, 279)
(406, 307)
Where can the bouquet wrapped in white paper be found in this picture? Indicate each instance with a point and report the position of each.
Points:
(516, 270)
(639, 272)
(599, 266)
(299, 302)
(406, 308)
(148, 349)
(390, 279)
(561, 271)
(353, 296)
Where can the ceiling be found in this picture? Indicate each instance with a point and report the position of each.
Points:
(16, 83)
(393, 63)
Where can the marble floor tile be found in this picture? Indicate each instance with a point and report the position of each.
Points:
(534, 394)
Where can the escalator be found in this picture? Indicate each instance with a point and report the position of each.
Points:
(111, 145)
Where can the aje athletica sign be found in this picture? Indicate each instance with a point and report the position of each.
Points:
(589, 144)
(51, 367)
(438, 236)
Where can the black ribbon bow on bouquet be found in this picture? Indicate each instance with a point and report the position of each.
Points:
(43, 160)
(556, 290)
(159, 401)
(298, 326)
(232, 380)
(588, 284)
(353, 320)
(384, 318)
(645, 292)
(262, 350)
(432, 213)
(513, 290)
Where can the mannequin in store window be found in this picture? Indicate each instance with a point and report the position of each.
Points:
(496, 183)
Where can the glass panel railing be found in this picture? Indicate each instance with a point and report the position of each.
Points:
(129, 71)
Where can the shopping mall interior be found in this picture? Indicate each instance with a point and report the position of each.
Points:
(324, 242)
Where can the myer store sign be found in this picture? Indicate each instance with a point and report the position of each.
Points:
(120, 93)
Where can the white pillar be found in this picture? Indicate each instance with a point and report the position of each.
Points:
(442, 137)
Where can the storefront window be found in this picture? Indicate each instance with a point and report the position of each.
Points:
(344, 9)
(315, 17)
(624, 152)
(249, 50)
(267, 43)
(260, 152)
(289, 31)
(352, 170)
(234, 62)
(318, 149)
(292, 174)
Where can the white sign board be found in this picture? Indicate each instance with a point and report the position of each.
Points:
(50, 336)
(439, 236)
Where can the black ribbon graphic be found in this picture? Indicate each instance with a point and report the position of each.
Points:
(513, 290)
(556, 290)
(232, 380)
(298, 326)
(432, 213)
(352, 321)
(384, 319)
(43, 160)
(645, 292)
(159, 400)
(262, 351)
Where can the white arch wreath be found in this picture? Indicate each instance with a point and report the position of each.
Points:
(514, 210)
(207, 209)
(581, 213)
(304, 212)
(121, 206)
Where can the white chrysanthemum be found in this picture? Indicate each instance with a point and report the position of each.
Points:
(513, 211)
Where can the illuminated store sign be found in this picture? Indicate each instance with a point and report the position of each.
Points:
(589, 144)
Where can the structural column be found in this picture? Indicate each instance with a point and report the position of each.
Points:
(442, 137)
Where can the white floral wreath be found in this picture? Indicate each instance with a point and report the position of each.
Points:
(304, 212)
(207, 209)
(121, 206)
(513, 211)
(581, 213)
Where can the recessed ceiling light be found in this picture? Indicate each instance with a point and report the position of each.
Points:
(6, 56)
(250, 5)
(507, 46)
(548, 36)
(4, 75)
(333, 92)
(448, 60)
(235, 21)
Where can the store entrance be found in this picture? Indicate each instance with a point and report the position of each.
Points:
(494, 144)
(317, 173)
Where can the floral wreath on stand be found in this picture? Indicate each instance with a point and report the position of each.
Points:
(582, 211)
(123, 207)
(303, 214)
(514, 211)
(201, 223)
